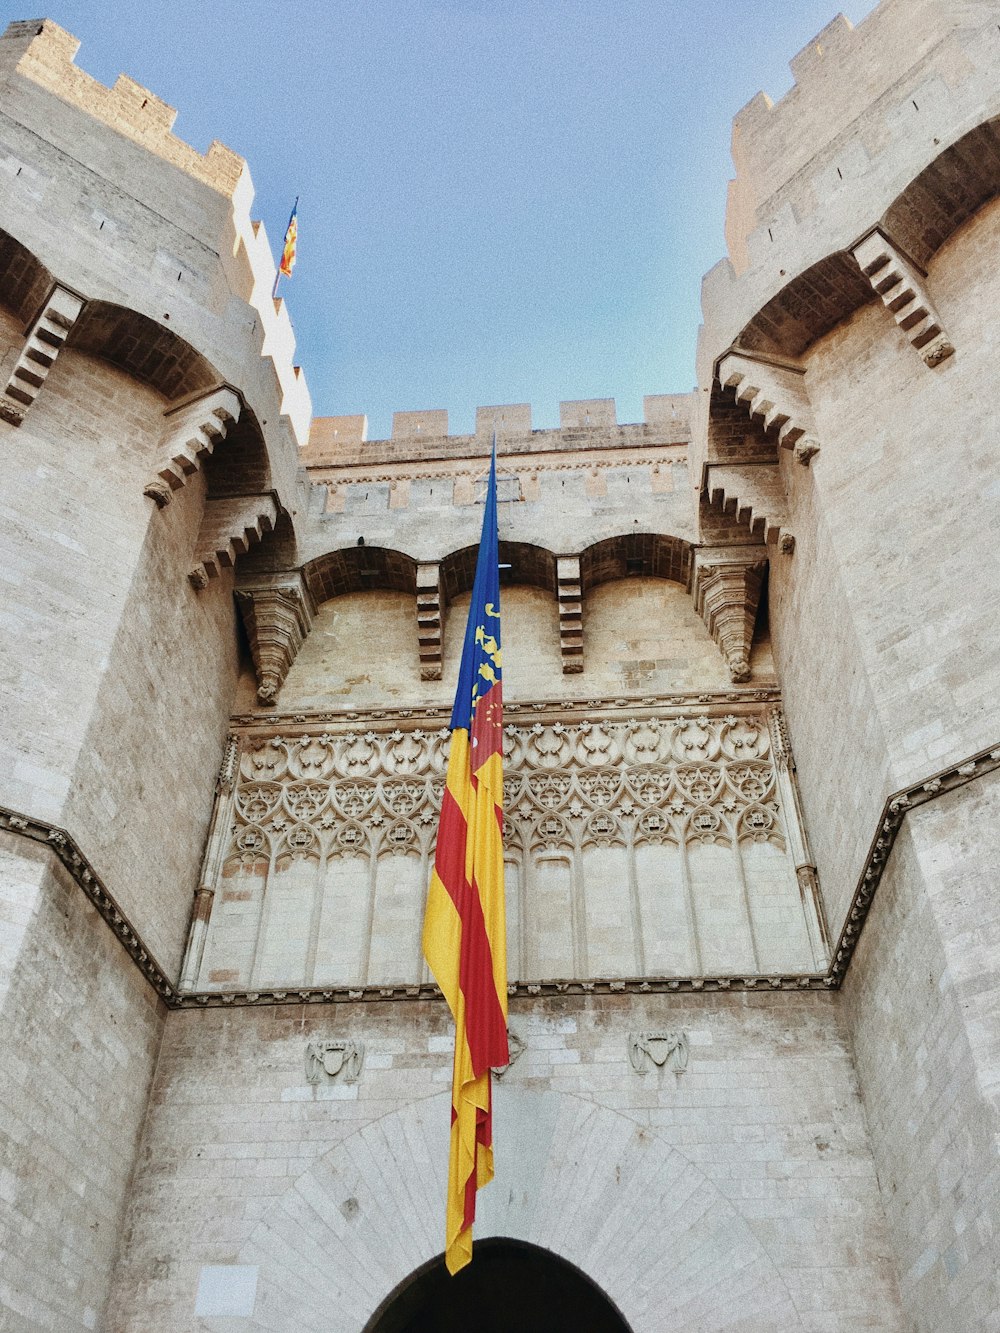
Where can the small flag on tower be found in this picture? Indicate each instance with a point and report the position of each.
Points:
(465, 940)
(291, 239)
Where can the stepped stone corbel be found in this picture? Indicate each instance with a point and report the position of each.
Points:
(277, 617)
(43, 343)
(429, 620)
(191, 430)
(726, 591)
(569, 591)
(776, 393)
(755, 495)
(230, 525)
(902, 290)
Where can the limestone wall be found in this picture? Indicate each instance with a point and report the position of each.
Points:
(751, 1168)
(79, 1029)
(871, 108)
(884, 620)
(120, 671)
(922, 999)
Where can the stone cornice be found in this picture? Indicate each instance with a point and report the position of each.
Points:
(546, 710)
(893, 813)
(449, 469)
(59, 842)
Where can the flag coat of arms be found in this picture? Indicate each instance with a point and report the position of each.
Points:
(464, 926)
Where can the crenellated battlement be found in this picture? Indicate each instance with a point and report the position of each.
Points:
(585, 423)
(142, 236)
(40, 50)
(872, 102)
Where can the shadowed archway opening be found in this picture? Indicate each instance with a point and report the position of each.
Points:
(510, 1287)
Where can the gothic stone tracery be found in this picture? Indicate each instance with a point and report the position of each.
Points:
(645, 847)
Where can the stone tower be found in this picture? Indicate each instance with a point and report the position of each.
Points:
(751, 772)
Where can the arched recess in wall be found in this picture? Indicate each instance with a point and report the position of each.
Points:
(511, 1284)
(664, 1244)
(928, 210)
(148, 351)
(636, 555)
(521, 562)
(24, 280)
(360, 569)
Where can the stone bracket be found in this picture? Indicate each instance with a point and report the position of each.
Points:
(430, 620)
(569, 592)
(277, 618)
(902, 290)
(774, 392)
(43, 343)
(191, 431)
(755, 495)
(726, 591)
(230, 525)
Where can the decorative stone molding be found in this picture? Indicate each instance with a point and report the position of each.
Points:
(657, 797)
(903, 292)
(569, 591)
(191, 431)
(526, 712)
(515, 1049)
(43, 343)
(230, 525)
(894, 811)
(726, 591)
(775, 392)
(328, 1061)
(277, 618)
(660, 1049)
(430, 620)
(87, 878)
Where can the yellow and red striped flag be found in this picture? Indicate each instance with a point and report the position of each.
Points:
(290, 243)
(465, 941)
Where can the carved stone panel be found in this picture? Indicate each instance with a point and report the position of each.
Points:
(667, 1050)
(329, 1061)
(655, 846)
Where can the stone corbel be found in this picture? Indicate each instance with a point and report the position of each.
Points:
(277, 618)
(43, 343)
(775, 392)
(429, 620)
(726, 591)
(191, 431)
(902, 290)
(230, 525)
(755, 496)
(569, 591)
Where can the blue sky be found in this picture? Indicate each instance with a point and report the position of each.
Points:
(501, 200)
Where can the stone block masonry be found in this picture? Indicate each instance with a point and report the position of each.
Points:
(752, 1165)
(750, 707)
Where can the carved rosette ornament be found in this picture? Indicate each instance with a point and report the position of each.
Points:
(727, 587)
(277, 618)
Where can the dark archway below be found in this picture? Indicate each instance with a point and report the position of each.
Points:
(510, 1287)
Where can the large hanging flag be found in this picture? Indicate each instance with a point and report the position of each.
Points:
(465, 940)
(288, 248)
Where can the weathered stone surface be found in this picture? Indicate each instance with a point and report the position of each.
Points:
(752, 747)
